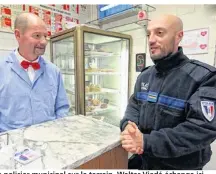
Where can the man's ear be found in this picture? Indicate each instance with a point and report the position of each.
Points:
(17, 34)
(180, 36)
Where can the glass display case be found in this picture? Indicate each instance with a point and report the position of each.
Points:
(63, 57)
(95, 66)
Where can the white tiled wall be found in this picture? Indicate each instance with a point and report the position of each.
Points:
(7, 42)
(139, 46)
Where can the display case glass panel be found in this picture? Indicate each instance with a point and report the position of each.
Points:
(106, 76)
(63, 57)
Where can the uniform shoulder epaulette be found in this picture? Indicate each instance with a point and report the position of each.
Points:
(145, 68)
(204, 65)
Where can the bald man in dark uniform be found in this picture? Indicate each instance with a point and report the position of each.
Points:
(170, 121)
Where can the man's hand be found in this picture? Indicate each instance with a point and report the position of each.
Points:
(126, 138)
(132, 139)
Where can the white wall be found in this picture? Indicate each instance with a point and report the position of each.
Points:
(139, 46)
(7, 42)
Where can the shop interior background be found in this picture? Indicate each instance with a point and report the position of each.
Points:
(60, 17)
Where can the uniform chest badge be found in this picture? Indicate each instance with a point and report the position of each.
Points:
(144, 86)
(208, 109)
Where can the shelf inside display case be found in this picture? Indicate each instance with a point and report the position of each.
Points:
(69, 72)
(104, 90)
(99, 110)
(98, 54)
(70, 91)
(103, 73)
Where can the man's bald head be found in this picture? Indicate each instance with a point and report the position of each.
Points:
(24, 20)
(170, 21)
(164, 34)
(31, 35)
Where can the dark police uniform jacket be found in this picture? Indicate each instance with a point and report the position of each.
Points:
(174, 107)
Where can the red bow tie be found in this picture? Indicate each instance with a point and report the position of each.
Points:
(25, 65)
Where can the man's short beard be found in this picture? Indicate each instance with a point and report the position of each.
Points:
(156, 57)
(162, 54)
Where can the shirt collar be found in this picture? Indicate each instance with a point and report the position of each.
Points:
(171, 61)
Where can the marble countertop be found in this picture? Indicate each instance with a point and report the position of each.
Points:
(65, 143)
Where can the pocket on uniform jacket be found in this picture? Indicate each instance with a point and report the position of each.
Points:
(147, 116)
(168, 117)
(207, 92)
